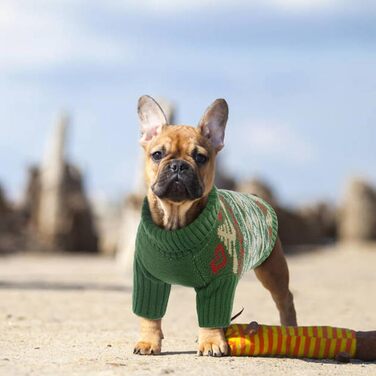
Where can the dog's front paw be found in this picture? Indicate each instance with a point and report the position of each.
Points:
(212, 342)
(147, 348)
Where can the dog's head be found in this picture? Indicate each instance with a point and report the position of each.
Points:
(180, 159)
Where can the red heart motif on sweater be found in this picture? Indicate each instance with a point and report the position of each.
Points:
(219, 260)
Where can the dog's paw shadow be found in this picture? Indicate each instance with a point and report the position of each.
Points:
(188, 352)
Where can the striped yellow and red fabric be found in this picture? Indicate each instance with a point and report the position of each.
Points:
(316, 342)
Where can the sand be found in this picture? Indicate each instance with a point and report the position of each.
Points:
(71, 315)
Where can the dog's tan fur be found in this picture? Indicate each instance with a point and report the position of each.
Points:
(150, 337)
(178, 142)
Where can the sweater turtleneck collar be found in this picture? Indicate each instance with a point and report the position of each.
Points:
(187, 239)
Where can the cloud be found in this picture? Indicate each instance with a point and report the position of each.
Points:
(304, 4)
(35, 35)
(41, 34)
(171, 6)
(273, 141)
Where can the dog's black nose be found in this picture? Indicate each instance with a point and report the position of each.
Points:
(177, 165)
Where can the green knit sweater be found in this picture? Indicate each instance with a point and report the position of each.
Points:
(233, 234)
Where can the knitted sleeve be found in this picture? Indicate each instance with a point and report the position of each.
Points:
(214, 302)
(150, 295)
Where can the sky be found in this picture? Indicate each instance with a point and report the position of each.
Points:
(299, 77)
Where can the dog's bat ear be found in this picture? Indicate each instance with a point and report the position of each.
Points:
(152, 118)
(213, 124)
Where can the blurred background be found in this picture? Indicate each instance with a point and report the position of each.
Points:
(299, 77)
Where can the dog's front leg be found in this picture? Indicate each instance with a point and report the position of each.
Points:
(150, 342)
(212, 342)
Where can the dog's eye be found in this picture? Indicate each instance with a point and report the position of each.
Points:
(157, 155)
(201, 158)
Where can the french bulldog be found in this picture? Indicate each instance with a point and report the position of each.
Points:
(180, 164)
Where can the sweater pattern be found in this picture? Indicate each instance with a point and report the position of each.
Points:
(234, 233)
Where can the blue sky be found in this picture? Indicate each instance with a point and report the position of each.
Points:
(299, 77)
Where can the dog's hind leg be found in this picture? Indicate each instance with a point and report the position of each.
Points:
(273, 273)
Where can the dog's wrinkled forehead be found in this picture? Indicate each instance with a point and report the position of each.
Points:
(179, 141)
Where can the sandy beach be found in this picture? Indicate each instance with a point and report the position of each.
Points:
(71, 315)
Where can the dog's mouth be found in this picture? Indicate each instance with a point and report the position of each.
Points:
(177, 188)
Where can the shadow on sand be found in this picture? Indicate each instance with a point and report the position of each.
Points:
(59, 286)
(187, 352)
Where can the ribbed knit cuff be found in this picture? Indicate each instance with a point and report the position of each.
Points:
(150, 296)
(214, 302)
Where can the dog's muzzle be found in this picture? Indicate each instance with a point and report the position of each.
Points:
(178, 181)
